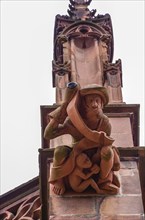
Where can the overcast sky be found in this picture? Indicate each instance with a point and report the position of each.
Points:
(26, 78)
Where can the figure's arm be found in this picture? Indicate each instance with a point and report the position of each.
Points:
(88, 175)
(86, 144)
(53, 130)
(105, 125)
(56, 126)
(107, 129)
(83, 144)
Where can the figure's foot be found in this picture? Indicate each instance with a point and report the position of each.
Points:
(116, 180)
(110, 188)
(58, 187)
(102, 192)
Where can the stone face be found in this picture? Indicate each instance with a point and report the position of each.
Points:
(130, 178)
(128, 165)
(123, 217)
(89, 217)
(130, 186)
(121, 131)
(121, 205)
(73, 206)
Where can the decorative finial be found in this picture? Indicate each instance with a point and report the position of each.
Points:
(78, 9)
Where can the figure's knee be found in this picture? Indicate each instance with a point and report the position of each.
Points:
(116, 166)
(107, 153)
(60, 154)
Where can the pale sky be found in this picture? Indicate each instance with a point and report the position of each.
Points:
(26, 74)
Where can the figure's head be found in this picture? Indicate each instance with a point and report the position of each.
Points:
(83, 161)
(95, 97)
(94, 89)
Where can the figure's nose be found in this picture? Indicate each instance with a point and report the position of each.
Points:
(94, 104)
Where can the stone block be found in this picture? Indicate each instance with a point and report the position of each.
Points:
(72, 205)
(121, 205)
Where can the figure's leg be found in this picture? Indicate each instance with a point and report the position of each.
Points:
(110, 188)
(106, 174)
(96, 158)
(108, 185)
(60, 154)
(116, 180)
(116, 165)
(107, 160)
(86, 183)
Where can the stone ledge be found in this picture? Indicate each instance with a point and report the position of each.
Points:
(83, 206)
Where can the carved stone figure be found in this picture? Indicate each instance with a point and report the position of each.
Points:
(81, 116)
(78, 180)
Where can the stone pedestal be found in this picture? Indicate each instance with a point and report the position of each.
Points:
(127, 205)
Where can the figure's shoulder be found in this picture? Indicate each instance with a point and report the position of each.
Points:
(105, 118)
(105, 125)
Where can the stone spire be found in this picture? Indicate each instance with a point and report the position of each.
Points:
(78, 9)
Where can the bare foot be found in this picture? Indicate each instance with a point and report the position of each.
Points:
(102, 192)
(111, 188)
(59, 187)
(116, 180)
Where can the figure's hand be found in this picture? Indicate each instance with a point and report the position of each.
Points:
(105, 140)
(59, 114)
(95, 169)
(71, 90)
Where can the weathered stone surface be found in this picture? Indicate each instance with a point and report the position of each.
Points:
(123, 217)
(88, 217)
(121, 205)
(130, 164)
(130, 183)
(121, 131)
(73, 205)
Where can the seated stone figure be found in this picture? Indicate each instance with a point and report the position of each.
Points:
(81, 116)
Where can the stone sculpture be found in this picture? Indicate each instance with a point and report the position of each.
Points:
(78, 180)
(81, 116)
